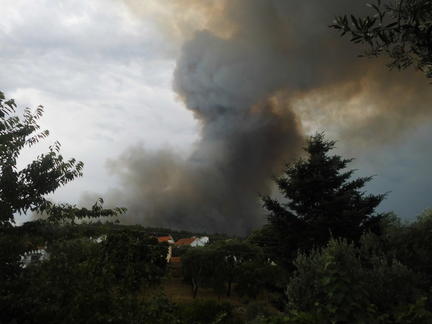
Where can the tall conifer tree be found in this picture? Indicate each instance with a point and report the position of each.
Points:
(322, 201)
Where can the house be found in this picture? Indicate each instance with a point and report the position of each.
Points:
(37, 255)
(167, 239)
(188, 241)
(185, 241)
(192, 241)
(98, 239)
(200, 241)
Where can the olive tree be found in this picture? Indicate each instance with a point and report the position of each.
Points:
(399, 29)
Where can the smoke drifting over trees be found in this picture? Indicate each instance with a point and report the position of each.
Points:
(257, 75)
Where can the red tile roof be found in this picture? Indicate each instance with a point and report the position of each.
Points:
(165, 239)
(185, 241)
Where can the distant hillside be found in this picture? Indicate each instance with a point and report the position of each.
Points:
(47, 231)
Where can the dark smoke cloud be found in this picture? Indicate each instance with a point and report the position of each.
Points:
(217, 187)
(249, 71)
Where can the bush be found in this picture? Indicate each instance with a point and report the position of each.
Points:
(338, 285)
(206, 312)
(254, 277)
(134, 259)
(87, 282)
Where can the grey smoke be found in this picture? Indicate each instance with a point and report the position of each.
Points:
(252, 76)
(217, 187)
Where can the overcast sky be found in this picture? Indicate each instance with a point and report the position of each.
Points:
(105, 78)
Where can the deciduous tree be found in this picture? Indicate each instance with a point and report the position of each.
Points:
(401, 29)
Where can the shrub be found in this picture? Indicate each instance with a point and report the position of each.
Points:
(206, 312)
(336, 285)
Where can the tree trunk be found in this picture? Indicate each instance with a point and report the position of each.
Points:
(194, 288)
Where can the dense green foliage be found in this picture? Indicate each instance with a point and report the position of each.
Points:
(321, 202)
(382, 278)
(222, 265)
(400, 29)
(23, 190)
(98, 282)
(325, 256)
(206, 311)
(344, 284)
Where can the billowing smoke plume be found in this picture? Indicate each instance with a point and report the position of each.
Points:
(250, 71)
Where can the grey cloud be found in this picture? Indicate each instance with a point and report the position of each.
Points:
(82, 73)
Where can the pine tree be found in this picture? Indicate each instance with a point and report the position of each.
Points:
(322, 202)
